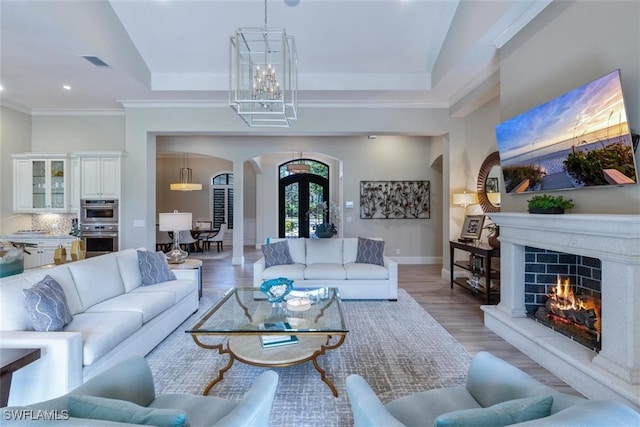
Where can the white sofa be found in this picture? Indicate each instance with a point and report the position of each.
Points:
(332, 263)
(114, 318)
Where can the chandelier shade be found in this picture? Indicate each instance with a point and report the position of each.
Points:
(185, 179)
(263, 76)
(298, 168)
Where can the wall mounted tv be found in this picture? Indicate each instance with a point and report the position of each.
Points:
(580, 139)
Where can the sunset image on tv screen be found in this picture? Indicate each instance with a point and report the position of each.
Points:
(576, 140)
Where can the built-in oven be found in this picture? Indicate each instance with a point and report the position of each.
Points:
(99, 239)
(102, 211)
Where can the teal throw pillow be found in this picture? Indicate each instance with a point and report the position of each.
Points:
(122, 411)
(47, 306)
(370, 251)
(276, 253)
(501, 414)
(154, 268)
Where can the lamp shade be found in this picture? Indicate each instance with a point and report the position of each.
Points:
(465, 199)
(494, 198)
(176, 221)
(185, 186)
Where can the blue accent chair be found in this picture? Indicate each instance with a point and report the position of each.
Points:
(131, 381)
(490, 381)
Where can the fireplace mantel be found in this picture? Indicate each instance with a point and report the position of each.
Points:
(614, 373)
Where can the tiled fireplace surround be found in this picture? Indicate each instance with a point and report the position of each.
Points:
(614, 372)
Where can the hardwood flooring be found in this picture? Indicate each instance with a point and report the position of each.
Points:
(457, 310)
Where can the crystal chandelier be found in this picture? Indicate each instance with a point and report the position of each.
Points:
(263, 75)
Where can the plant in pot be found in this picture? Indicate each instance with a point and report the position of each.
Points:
(546, 204)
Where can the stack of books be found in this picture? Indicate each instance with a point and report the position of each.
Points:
(276, 340)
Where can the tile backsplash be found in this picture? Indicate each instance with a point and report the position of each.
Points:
(52, 223)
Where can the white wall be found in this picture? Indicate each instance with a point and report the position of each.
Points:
(359, 158)
(570, 44)
(15, 137)
(77, 132)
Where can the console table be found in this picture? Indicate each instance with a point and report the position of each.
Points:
(191, 264)
(484, 280)
(12, 359)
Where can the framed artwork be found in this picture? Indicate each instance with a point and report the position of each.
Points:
(395, 199)
(472, 227)
(492, 185)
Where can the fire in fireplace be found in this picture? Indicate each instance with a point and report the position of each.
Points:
(576, 316)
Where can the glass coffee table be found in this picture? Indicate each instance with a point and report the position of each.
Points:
(317, 324)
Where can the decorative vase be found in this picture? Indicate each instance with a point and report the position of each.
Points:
(60, 255)
(546, 210)
(325, 230)
(276, 289)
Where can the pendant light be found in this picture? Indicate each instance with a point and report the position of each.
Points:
(186, 176)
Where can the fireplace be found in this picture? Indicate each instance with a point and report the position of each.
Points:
(562, 291)
(613, 371)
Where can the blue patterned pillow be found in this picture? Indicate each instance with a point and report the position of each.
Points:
(123, 411)
(47, 305)
(276, 253)
(370, 251)
(154, 268)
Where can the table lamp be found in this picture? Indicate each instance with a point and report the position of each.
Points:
(175, 222)
(465, 199)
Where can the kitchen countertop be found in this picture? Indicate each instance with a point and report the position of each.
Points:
(21, 237)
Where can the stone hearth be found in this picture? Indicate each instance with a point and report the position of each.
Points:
(614, 372)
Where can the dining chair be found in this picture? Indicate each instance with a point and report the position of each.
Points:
(163, 241)
(187, 242)
(217, 237)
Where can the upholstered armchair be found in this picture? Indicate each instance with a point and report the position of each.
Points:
(127, 391)
(496, 393)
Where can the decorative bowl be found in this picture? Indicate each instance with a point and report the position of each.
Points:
(276, 289)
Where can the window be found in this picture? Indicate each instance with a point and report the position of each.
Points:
(222, 200)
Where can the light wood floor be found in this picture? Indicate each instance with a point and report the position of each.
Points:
(457, 310)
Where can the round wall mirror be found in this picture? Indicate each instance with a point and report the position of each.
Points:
(489, 183)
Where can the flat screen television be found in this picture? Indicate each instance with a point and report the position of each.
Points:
(577, 140)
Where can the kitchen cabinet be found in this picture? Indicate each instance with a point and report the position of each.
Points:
(100, 177)
(44, 252)
(40, 183)
(74, 185)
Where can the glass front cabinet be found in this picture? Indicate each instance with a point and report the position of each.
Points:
(40, 184)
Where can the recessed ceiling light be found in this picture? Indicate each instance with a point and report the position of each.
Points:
(66, 87)
(1, 88)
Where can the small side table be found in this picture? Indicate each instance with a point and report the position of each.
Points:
(12, 359)
(191, 264)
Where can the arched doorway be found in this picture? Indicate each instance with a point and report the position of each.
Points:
(299, 192)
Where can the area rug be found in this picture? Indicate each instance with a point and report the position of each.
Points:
(396, 346)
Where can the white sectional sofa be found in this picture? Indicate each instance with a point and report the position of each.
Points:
(332, 263)
(114, 318)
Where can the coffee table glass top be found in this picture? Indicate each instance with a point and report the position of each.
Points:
(246, 310)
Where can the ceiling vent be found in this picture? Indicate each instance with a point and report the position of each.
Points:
(95, 60)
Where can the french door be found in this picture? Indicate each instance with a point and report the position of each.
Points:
(298, 193)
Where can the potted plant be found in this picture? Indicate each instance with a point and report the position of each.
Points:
(546, 204)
